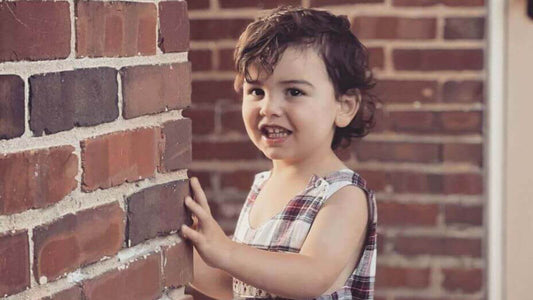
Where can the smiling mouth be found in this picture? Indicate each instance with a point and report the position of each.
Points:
(278, 134)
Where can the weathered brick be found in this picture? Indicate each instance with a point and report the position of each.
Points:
(463, 280)
(200, 60)
(404, 91)
(217, 29)
(178, 264)
(73, 293)
(402, 152)
(232, 122)
(60, 101)
(461, 214)
(438, 59)
(112, 159)
(207, 150)
(139, 280)
(471, 153)
(464, 28)
(34, 30)
(394, 28)
(14, 263)
(77, 240)
(177, 145)
(197, 4)
(438, 246)
(414, 278)
(204, 91)
(461, 122)
(260, 4)
(11, 105)
(173, 26)
(407, 214)
(376, 56)
(463, 183)
(438, 2)
(36, 178)
(203, 120)
(410, 182)
(115, 29)
(155, 89)
(157, 210)
(318, 3)
(463, 91)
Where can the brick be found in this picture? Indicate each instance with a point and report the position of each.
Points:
(376, 180)
(468, 153)
(178, 264)
(173, 26)
(462, 122)
(318, 3)
(177, 145)
(203, 176)
(447, 246)
(260, 4)
(14, 263)
(73, 293)
(394, 28)
(466, 3)
(203, 120)
(239, 179)
(463, 183)
(217, 29)
(408, 182)
(197, 4)
(61, 101)
(210, 91)
(380, 243)
(34, 30)
(157, 211)
(112, 159)
(376, 56)
(200, 60)
(407, 214)
(113, 29)
(77, 240)
(463, 280)
(414, 121)
(401, 152)
(227, 209)
(463, 91)
(414, 278)
(464, 28)
(155, 89)
(36, 178)
(232, 122)
(139, 280)
(207, 150)
(11, 105)
(456, 214)
(406, 91)
(225, 59)
(438, 59)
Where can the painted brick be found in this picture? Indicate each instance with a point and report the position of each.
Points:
(77, 240)
(456, 214)
(200, 60)
(177, 144)
(34, 30)
(203, 120)
(438, 59)
(463, 280)
(402, 152)
(155, 89)
(438, 246)
(414, 278)
(260, 4)
(112, 159)
(11, 105)
(73, 293)
(405, 91)
(197, 4)
(463, 183)
(178, 264)
(438, 2)
(14, 263)
(211, 91)
(61, 101)
(464, 28)
(139, 280)
(471, 153)
(173, 26)
(407, 214)
(463, 91)
(36, 178)
(157, 210)
(394, 28)
(318, 3)
(217, 29)
(227, 150)
(232, 122)
(115, 29)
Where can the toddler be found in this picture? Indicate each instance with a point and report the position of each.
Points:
(307, 229)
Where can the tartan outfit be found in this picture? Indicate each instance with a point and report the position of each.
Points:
(287, 230)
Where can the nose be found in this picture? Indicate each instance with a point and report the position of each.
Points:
(271, 105)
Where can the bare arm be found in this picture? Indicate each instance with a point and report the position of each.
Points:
(212, 282)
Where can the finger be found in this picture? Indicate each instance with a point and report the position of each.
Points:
(196, 209)
(190, 234)
(199, 194)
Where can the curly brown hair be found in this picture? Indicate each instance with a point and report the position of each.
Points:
(263, 42)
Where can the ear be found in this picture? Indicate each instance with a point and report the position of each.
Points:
(348, 104)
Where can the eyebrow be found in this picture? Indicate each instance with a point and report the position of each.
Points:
(284, 82)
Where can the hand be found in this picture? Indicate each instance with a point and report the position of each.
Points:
(208, 238)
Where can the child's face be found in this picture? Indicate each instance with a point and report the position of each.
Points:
(297, 96)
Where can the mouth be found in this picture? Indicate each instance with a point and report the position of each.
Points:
(274, 132)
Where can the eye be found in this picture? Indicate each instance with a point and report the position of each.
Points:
(294, 92)
(255, 92)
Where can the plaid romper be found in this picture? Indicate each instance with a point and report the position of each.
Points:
(286, 232)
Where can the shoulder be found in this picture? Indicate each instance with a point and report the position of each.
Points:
(349, 201)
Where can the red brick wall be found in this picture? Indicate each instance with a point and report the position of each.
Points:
(424, 158)
(94, 149)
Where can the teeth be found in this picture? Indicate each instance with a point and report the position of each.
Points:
(275, 130)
